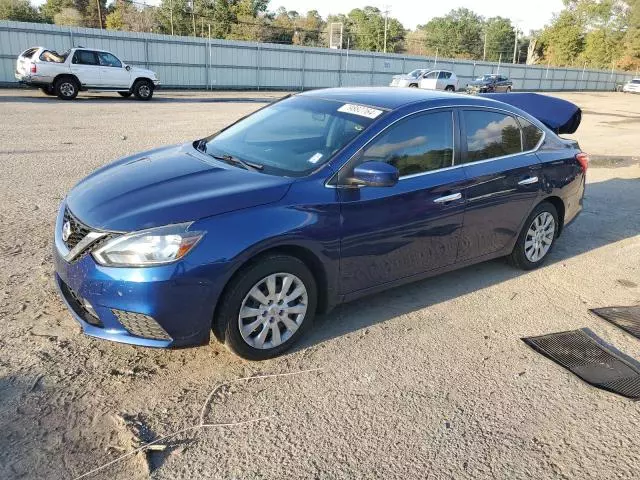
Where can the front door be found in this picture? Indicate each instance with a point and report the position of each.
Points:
(389, 233)
(504, 182)
(429, 81)
(86, 67)
(113, 73)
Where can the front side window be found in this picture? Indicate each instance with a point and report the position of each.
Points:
(490, 135)
(418, 144)
(431, 75)
(85, 57)
(636, 81)
(109, 60)
(295, 136)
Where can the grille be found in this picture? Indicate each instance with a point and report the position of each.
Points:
(586, 355)
(78, 230)
(141, 325)
(77, 305)
(626, 318)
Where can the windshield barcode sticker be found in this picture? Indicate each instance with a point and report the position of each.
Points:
(315, 158)
(360, 110)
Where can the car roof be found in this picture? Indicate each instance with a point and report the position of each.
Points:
(382, 97)
(391, 98)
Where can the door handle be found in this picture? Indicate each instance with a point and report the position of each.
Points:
(448, 198)
(528, 181)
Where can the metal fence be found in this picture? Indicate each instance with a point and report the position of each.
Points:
(191, 62)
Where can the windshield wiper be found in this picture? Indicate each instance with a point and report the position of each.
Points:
(236, 161)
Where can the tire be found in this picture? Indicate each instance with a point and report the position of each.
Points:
(143, 90)
(523, 254)
(66, 88)
(237, 297)
(125, 94)
(413, 85)
(48, 91)
(450, 88)
(508, 90)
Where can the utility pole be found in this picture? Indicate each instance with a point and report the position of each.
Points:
(193, 16)
(515, 46)
(484, 48)
(386, 24)
(171, 14)
(99, 14)
(499, 62)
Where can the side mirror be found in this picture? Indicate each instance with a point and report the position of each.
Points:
(374, 174)
(127, 67)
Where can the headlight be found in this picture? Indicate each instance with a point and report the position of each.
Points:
(155, 246)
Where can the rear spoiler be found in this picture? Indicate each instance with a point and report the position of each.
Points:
(557, 114)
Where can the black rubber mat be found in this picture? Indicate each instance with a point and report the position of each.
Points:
(626, 318)
(586, 355)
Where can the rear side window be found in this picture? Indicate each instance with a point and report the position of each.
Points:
(490, 135)
(29, 53)
(418, 144)
(85, 57)
(531, 135)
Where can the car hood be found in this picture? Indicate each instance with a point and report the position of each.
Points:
(143, 72)
(168, 185)
(479, 82)
(404, 77)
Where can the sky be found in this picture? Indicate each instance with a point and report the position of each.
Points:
(527, 15)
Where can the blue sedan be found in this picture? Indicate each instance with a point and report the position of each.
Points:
(315, 200)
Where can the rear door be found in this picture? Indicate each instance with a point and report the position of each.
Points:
(112, 71)
(443, 80)
(389, 233)
(85, 66)
(504, 181)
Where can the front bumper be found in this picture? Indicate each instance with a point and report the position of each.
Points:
(162, 306)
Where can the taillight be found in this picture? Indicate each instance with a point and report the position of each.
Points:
(583, 160)
(34, 69)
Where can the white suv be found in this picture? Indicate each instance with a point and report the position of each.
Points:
(439, 80)
(81, 68)
(632, 86)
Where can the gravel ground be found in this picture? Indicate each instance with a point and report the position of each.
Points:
(429, 380)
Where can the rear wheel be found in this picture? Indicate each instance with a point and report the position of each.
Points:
(125, 94)
(66, 88)
(143, 90)
(536, 238)
(49, 90)
(450, 88)
(267, 307)
(508, 90)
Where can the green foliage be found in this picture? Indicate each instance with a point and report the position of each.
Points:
(19, 10)
(564, 39)
(459, 34)
(68, 17)
(499, 37)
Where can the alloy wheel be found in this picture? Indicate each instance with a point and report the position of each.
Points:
(144, 90)
(273, 310)
(67, 89)
(539, 237)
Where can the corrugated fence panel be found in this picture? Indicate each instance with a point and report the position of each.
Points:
(189, 62)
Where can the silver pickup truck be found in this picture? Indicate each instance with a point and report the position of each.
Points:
(80, 69)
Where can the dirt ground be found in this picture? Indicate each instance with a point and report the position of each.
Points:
(429, 380)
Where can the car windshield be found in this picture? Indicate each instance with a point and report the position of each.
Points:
(292, 137)
(485, 77)
(415, 73)
(635, 80)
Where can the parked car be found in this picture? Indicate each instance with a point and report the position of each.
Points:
(80, 69)
(411, 79)
(632, 86)
(312, 201)
(490, 83)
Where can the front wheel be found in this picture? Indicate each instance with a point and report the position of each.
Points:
(267, 307)
(143, 90)
(508, 90)
(413, 85)
(536, 238)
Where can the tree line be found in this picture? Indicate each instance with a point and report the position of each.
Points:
(591, 33)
